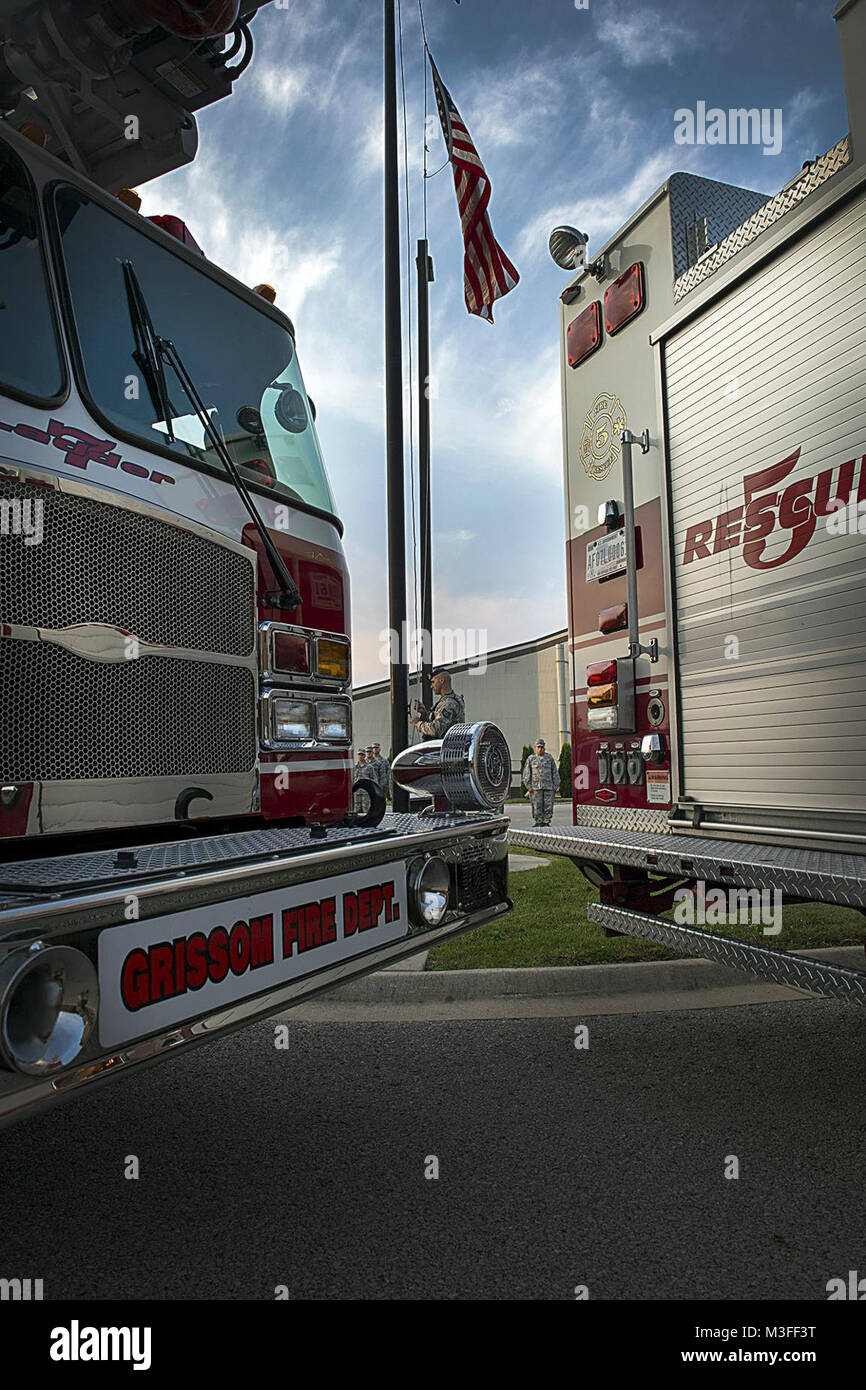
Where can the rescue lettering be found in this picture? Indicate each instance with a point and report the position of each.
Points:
(768, 506)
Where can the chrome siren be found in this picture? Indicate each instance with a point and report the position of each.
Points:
(471, 766)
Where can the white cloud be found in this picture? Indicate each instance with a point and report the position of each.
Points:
(514, 103)
(244, 243)
(455, 537)
(602, 213)
(798, 116)
(642, 35)
(281, 89)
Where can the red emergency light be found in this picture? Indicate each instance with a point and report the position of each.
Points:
(613, 619)
(291, 653)
(584, 334)
(601, 673)
(193, 19)
(179, 230)
(625, 298)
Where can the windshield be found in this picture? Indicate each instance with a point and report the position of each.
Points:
(29, 356)
(243, 363)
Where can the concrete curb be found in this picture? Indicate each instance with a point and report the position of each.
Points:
(636, 978)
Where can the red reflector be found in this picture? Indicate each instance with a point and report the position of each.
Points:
(584, 334)
(178, 229)
(601, 673)
(613, 619)
(291, 653)
(625, 298)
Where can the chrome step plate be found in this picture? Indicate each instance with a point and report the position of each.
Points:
(797, 972)
(816, 875)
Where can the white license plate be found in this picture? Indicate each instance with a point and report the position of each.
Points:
(606, 556)
(157, 973)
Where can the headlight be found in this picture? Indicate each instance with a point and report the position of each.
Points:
(332, 659)
(429, 888)
(291, 719)
(49, 999)
(334, 720)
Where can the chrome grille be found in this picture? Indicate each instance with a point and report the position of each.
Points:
(100, 563)
(62, 717)
(473, 884)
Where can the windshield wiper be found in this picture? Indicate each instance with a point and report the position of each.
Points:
(147, 355)
(155, 351)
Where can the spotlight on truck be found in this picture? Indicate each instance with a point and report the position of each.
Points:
(568, 247)
(430, 889)
(48, 1006)
(470, 767)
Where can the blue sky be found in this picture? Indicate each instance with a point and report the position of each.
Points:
(572, 112)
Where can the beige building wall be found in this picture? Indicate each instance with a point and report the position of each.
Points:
(521, 688)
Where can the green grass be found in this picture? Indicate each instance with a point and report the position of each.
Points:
(548, 927)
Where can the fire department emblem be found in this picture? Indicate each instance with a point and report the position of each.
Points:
(601, 439)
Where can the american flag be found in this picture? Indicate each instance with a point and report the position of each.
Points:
(487, 272)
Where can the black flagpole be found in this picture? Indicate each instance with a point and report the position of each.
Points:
(425, 276)
(394, 417)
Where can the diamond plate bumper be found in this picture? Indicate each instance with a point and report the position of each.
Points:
(815, 875)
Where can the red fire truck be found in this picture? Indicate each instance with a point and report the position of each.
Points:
(714, 407)
(180, 848)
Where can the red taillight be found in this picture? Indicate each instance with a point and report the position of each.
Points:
(584, 334)
(291, 653)
(601, 673)
(625, 298)
(613, 619)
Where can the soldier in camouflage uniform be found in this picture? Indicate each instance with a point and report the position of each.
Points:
(360, 768)
(541, 779)
(449, 707)
(384, 768)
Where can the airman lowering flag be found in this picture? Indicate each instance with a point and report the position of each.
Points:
(487, 272)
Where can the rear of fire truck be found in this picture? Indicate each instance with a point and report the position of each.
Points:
(713, 373)
(180, 851)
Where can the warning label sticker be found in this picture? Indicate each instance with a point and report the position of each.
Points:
(658, 787)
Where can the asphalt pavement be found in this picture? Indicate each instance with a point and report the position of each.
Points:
(558, 1166)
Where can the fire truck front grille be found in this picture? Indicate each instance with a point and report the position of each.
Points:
(473, 886)
(63, 717)
(99, 563)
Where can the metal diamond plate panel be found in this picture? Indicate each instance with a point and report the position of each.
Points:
(818, 875)
(115, 866)
(723, 205)
(798, 972)
(624, 818)
(775, 208)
